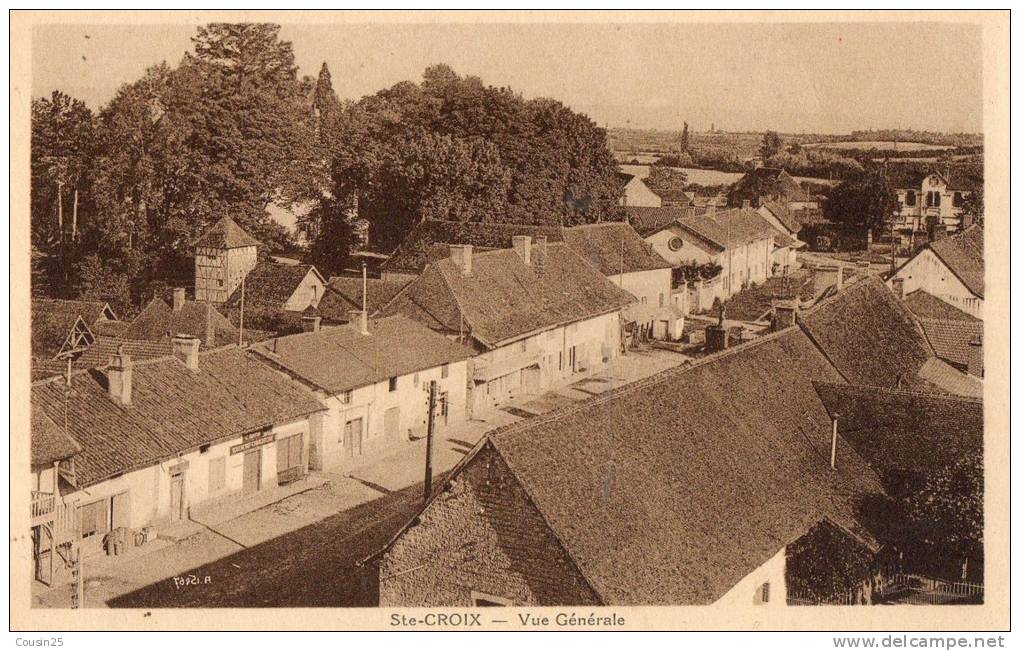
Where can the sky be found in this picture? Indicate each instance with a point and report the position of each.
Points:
(815, 78)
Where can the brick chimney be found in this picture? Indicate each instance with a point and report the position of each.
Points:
(785, 314)
(118, 376)
(178, 298)
(461, 256)
(359, 320)
(522, 245)
(311, 320)
(185, 348)
(897, 287)
(976, 357)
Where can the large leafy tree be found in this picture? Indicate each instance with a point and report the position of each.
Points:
(865, 202)
(771, 145)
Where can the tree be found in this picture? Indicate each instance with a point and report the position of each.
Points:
(771, 145)
(665, 178)
(826, 564)
(863, 203)
(326, 104)
(96, 281)
(331, 243)
(974, 206)
(685, 140)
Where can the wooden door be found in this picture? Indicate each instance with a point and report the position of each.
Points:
(353, 438)
(176, 498)
(121, 512)
(252, 475)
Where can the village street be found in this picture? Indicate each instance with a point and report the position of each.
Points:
(304, 548)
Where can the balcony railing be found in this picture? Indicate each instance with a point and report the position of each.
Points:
(43, 504)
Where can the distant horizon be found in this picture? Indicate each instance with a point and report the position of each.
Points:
(802, 78)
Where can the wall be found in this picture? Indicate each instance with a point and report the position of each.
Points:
(370, 403)
(308, 291)
(218, 272)
(912, 217)
(926, 271)
(482, 534)
(748, 591)
(647, 286)
(636, 193)
(741, 264)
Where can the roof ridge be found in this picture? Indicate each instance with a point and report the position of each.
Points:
(916, 393)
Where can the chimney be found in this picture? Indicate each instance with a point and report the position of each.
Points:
(178, 298)
(522, 245)
(461, 256)
(784, 314)
(359, 320)
(746, 205)
(118, 377)
(539, 251)
(897, 287)
(185, 348)
(975, 358)
(311, 319)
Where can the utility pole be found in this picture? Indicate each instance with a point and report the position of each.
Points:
(78, 595)
(364, 288)
(240, 329)
(429, 438)
(74, 217)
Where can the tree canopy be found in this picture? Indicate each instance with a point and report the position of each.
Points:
(862, 203)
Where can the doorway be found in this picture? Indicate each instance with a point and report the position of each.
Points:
(176, 498)
(252, 475)
(353, 438)
(391, 423)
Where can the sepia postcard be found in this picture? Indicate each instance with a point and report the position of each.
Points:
(510, 320)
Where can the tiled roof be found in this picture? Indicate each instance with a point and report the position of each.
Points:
(270, 285)
(648, 220)
(965, 177)
(614, 247)
(951, 339)
(783, 214)
(868, 335)
(428, 239)
(52, 322)
(98, 355)
(173, 410)
(90, 311)
(924, 305)
(728, 228)
(49, 441)
(672, 489)
(226, 234)
(673, 196)
(504, 299)
(904, 434)
(158, 321)
(755, 303)
(340, 358)
(343, 294)
(964, 254)
(769, 182)
(939, 376)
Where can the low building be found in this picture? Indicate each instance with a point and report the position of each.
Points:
(635, 192)
(224, 255)
(276, 287)
(769, 184)
(951, 268)
(161, 438)
(662, 492)
(161, 322)
(537, 315)
(874, 340)
(373, 375)
(619, 253)
(922, 196)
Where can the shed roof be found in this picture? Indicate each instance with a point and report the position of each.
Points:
(950, 339)
(926, 306)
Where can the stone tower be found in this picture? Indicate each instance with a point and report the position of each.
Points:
(223, 257)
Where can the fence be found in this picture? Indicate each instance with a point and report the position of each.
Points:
(896, 588)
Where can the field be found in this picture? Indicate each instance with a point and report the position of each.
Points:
(706, 177)
(865, 145)
(648, 142)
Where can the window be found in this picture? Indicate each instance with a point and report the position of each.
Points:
(485, 600)
(662, 299)
(675, 244)
(346, 397)
(446, 371)
(763, 592)
(524, 346)
(644, 299)
(417, 379)
(217, 474)
(911, 198)
(204, 448)
(957, 199)
(288, 453)
(393, 384)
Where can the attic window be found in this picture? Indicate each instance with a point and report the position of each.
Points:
(393, 384)
(202, 449)
(676, 244)
(346, 396)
